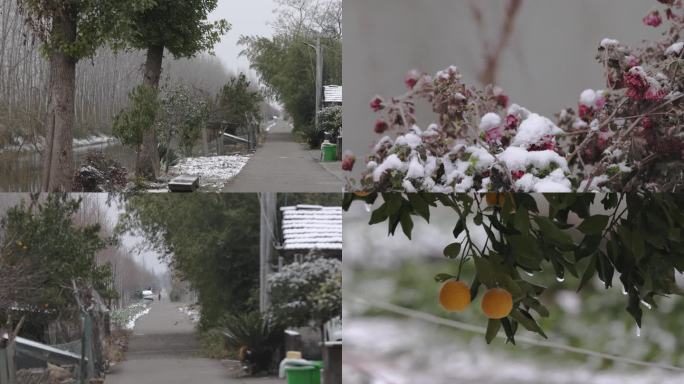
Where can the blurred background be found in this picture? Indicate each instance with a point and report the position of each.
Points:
(382, 347)
(548, 62)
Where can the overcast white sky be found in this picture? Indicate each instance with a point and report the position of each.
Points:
(247, 17)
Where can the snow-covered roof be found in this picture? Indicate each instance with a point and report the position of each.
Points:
(312, 227)
(332, 94)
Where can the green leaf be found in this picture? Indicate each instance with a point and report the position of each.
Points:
(485, 272)
(634, 307)
(509, 329)
(394, 202)
(537, 306)
(442, 277)
(511, 286)
(478, 219)
(552, 232)
(526, 252)
(452, 250)
(588, 272)
(419, 206)
(460, 227)
(524, 318)
(474, 288)
(521, 220)
(406, 223)
(633, 241)
(493, 327)
(379, 215)
(594, 225)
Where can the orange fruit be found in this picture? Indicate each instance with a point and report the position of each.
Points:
(497, 303)
(454, 296)
(494, 198)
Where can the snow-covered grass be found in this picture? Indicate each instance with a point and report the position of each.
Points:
(125, 318)
(214, 172)
(192, 311)
(384, 350)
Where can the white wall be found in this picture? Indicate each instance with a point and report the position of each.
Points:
(551, 59)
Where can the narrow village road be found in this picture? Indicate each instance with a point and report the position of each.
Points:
(283, 165)
(163, 350)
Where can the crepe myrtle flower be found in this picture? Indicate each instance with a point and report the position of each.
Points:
(348, 160)
(377, 104)
(501, 97)
(517, 175)
(653, 19)
(512, 122)
(381, 126)
(412, 78)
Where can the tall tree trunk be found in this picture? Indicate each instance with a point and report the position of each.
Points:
(58, 156)
(147, 161)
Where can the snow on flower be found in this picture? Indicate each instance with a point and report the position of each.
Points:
(675, 49)
(609, 43)
(534, 130)
(390, 163)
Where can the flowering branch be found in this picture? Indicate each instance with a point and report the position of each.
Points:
(623, 138)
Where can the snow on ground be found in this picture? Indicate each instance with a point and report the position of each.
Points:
(214, 172)
(389, 351)
(78, 143)
(131, 322)
(126, 317)
(192, 311)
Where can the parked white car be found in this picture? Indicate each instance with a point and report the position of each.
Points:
(148, 295)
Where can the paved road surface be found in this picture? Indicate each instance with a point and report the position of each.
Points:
(283, 165)
(163, 350)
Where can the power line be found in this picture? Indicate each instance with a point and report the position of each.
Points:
(526, 340)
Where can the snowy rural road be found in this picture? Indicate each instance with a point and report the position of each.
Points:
(163, 350)
(283, 165)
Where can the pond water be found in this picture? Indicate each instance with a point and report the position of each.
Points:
(21, 172)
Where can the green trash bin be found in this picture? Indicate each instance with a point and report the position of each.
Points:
(303, 375)
(329, 152)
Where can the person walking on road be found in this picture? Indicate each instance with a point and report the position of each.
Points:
(159, 296)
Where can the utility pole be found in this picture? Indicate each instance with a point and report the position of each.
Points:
(267, 202)
(319, 78)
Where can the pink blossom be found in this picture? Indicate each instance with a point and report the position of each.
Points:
(348, 161)
(412, 78)
(653, 19)
(377, 104)
(381, 127)
(493, 135)
(585, 112)
(600, 102)
(517, 175)
(512, 122)
(636, 84)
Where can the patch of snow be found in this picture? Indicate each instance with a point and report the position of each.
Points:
(415, 169)
(131, 323)
(675, 49)
(609, 43)
(391, 162)
(588, 98)
(214, 172)
(411, 140)
(518, 159)
(533, 130)
(490, 121)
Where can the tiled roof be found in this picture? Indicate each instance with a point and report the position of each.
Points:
(332, 93)
(312, 227)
